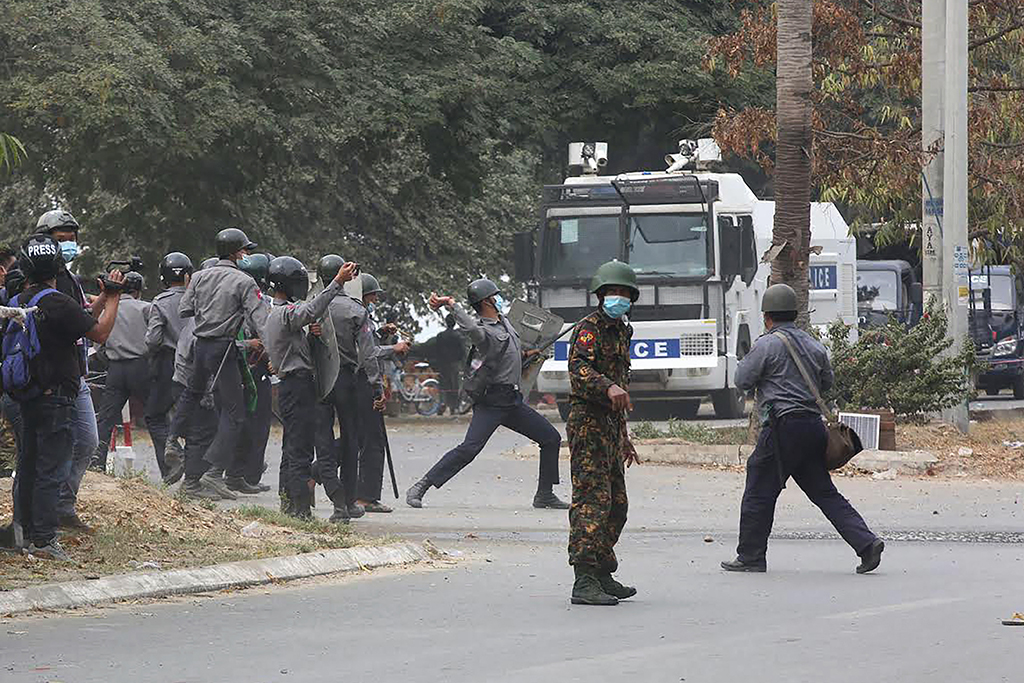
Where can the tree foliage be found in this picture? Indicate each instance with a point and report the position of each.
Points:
(412, 136)
(867, 119)
(900, 368)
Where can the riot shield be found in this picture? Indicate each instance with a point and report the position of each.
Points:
(324, 349)
(537, 329)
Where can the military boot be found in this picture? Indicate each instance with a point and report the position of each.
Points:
(301, 508)
(341, 515)
(612, 587)
(586, 590)
(547, 500)
(414, 496)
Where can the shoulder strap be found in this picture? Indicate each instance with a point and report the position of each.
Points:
(39, 295)
(803, 373)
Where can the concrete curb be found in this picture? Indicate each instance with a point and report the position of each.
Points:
(678, 452)
(156, 584)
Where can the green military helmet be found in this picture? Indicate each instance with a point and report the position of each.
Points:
(328, 268)
(370, 284)
(779, 298)
(481, 289)
(615, 273)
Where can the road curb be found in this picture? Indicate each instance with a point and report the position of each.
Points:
(242, 574)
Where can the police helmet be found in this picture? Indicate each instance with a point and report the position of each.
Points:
(39, 258)
(174, 267)
(288, 276)
(328, 267)
(209, 263)
(58, 219)
(615, 273)
(232, 240)
(481, 289)
(370, 284)
(133, 282)
(779, 298)
(258, 267)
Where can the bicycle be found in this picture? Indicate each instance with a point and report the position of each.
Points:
(423, 394)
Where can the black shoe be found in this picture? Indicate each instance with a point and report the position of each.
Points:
(51, 551)
(547, 500)
(74, 523)
(241, 486)
(340, 515)
(213, 480)
(612, 587)
(174, 473)
(586, 590)
(197, 490)
(414, 496)
(355, 510)
(872, 557)
(262, 487)
(739, 566)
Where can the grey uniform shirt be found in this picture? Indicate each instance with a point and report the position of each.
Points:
(371, 364)
(219, 298)
(284, 337)
(489, 336)
(183, 354)
(127, 341)
(165, 322)
(349, 316)
(770, 369)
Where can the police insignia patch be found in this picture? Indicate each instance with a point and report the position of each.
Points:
(586, 338)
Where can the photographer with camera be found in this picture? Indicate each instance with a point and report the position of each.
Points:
(127, 364)
(47, 385)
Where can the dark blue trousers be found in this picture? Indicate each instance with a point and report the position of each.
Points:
(794, 446)
(44, 464)
(518, 417)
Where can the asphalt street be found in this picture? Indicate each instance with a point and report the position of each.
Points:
(500, 611)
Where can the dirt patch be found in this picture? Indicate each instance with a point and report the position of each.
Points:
(138, 527)
(990, 449)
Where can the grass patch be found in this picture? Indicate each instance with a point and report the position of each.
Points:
(337, 535)
(691, 432)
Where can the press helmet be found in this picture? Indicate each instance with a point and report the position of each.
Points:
(288, 276)
(58, 219)
(481, 289)
(232, 240)
(39, 258)
(174, 267)
(779, 298)
(328, 267)
(615, 273)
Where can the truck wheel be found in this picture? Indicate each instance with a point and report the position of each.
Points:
(1018, 387)
(563, 410)
(685, 409)
(991, 391)
(728, 403)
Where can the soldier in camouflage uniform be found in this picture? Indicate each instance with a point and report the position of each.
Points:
(598, 437)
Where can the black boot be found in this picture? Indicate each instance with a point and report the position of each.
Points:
(738, 565)
(414, 496)
(612, 587)
(340, 515)
(872, 557)
(545, 499)
(586, 590)
(240, 485)
(301, 507)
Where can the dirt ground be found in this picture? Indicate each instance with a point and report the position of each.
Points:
(992, 449)
(138, 526)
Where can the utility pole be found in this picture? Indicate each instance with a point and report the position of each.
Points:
(956, 257)
(933, 76)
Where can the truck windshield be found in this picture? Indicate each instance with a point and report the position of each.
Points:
(574, 246)
(669, 244)
(878, 290)
(1002, 290)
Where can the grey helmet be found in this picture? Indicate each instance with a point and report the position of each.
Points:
(133, 282)
(232, 240)
(779, 298)
(370, 284)
(55, 220)
(481, 289)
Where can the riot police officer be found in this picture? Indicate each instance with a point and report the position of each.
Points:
(221, 298)
(127, 364)
(494, 386)
(793, 437)
(162, 336)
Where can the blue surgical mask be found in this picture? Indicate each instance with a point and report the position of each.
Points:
(370, 308)
(499, 303)
(69, 250)
(243, 262)
(616, 306)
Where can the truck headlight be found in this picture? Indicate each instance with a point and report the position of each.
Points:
(1006, 347)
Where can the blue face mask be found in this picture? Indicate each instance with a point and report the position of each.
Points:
(370, 308)
(499, 303)
(616, 306)
(244, 262)
(68, 250)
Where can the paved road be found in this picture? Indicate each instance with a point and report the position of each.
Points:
(501, 613)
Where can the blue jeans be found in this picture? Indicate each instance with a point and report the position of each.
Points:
(85, 439)
(44, 463)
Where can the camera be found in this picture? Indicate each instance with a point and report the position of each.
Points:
(134, 264)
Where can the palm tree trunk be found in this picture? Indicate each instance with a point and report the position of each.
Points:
(794, 84)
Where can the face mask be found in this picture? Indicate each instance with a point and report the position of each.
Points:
(616, 306)
(499, 303)
(370, 308)
(69, 250)
(244, 262)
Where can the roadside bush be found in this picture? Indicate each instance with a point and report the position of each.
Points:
(900, 368)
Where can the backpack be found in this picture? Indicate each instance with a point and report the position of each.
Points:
(20, 347)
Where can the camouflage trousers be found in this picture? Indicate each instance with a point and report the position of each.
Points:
(599, 503)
